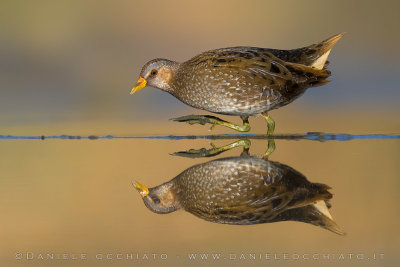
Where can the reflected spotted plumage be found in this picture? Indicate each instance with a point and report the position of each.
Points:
(244, 191)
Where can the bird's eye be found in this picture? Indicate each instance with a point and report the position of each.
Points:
(154, 72)
(156, 200)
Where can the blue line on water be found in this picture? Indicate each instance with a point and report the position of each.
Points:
(313, 136)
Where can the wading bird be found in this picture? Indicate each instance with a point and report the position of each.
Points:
(240, 81)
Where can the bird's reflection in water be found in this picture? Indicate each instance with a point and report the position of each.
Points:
(243, 190)
(213, 151)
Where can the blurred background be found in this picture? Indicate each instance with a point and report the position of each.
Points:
(67, 67)
(76, 61)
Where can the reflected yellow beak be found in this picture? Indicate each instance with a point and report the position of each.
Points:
(143, 190)
(139, 85)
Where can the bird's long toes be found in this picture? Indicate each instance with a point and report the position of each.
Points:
(190, 119)
(195, 153)
(200, 119)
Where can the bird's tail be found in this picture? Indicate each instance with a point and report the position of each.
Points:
(314, 55)
(319, 215)
(319, 52)
(313, 207)
(316, 214)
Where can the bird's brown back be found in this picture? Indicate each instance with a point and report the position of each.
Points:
(243, 81)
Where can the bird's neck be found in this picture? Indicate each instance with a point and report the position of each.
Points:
(171, 77)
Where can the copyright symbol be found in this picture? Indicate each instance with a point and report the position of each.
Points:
(18, 255)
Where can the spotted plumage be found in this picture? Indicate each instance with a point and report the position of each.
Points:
(243, 191)
(241, 81)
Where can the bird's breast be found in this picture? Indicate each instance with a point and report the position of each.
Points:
(227, 92)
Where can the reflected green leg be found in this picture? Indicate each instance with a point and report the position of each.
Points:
(198, 153)
(270, 123)
(203, 119)
(271, 147)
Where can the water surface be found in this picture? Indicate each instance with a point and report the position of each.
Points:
(73, 195)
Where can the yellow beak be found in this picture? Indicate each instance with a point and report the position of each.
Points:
(139, 85)
(143, 190)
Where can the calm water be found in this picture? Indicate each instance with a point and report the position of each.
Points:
(74, 196)
(72, 139)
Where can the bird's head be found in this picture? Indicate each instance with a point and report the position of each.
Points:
(158, 199)
(157, 73)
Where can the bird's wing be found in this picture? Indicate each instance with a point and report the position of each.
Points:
(251, 62)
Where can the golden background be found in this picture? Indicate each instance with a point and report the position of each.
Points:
(66, 67)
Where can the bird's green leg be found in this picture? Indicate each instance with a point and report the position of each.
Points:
(270, 123)
(213, 151)
(203, 119)
(271, 147)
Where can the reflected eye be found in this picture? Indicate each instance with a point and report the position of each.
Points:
(156, 200)
(153, 73)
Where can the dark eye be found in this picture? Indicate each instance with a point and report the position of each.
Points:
(156, 200)
(154, 72)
